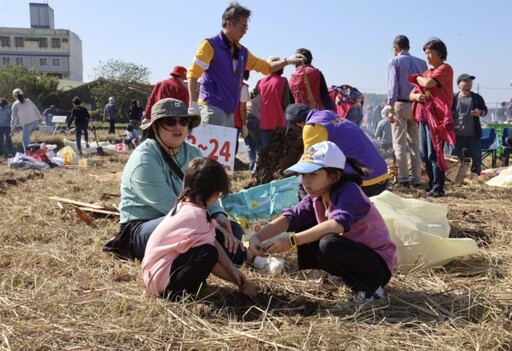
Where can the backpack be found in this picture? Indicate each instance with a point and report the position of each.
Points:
(343, 97)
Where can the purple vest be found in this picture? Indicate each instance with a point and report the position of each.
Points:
(220, 83)
(351, 139)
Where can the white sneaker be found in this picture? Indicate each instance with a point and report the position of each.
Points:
(274, 265)
(361, 296)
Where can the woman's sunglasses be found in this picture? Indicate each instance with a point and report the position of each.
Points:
(172, 121)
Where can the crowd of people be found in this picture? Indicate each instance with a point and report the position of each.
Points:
(171, 217)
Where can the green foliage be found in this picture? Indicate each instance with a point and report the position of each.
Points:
(37, 86)
(124, 81)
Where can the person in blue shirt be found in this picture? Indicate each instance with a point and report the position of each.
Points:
(404, 128)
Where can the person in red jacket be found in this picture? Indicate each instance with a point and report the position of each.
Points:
(275, 97)
(432, 102)
(315, 80)
(172, 87)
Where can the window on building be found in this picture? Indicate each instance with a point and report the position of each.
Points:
(43, 61)
(19, 61)
(43, 42)
(55, 62)
(5, 41)
(6, 60)
(19, 42)
(55, 43)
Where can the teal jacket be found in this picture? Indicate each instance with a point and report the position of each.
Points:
(149, 188)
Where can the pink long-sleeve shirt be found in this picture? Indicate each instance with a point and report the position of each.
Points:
(175, 235)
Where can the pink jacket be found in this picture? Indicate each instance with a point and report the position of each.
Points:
(438, 115)
(175, 235)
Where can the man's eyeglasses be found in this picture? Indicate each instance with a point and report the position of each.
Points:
(172, 121)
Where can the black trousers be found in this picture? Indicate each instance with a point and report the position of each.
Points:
(360, 267)
(189, 270)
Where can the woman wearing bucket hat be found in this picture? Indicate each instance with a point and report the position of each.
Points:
(153, 179)
(26, 113)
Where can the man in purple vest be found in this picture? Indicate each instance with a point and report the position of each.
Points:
(220, 61)
(321, 125)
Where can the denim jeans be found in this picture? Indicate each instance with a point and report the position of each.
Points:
(28, 129)
(473, 148)
(266, 137)
(213, 115)
(79, 128)
(6, 131)
(436, 176)
(254, 141)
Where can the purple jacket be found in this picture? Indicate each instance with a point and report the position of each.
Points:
(351, 208)
(220, 83)
(353, 142)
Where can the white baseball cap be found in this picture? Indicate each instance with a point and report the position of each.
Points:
(324, 154)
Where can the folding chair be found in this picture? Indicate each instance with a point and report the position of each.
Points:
(507, 148)
(489, 141)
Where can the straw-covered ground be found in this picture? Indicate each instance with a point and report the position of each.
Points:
(59, 291)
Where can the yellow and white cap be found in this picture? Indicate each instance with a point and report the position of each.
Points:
(321, 155)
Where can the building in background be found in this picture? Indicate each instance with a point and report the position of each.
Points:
(57, 52)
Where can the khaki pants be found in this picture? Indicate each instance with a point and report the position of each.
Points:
(406, 139)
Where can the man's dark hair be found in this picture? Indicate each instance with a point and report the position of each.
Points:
(129, 127)
(402, 42)
(76, 101)
(307, 54)
(3, 102)
(234, 12)
(438, 46)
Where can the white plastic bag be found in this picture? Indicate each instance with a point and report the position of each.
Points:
(420, 231)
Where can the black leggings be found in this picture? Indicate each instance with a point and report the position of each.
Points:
(189, 270)
(360, 267)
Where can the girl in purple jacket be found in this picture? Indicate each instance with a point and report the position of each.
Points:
(335, 227)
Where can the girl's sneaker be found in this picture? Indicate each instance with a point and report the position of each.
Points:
(361, 296)
(274, 265)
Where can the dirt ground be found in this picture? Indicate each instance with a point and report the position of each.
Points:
(59, 291)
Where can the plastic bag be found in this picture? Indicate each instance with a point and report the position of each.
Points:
(420, 231)
(22, 161)
(255, 207)
(69, 155)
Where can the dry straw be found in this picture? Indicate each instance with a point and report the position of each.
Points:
(59, 291)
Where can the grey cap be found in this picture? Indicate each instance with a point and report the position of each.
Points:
(170, 107)
(464, 76)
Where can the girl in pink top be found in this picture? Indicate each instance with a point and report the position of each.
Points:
(337, 228)
(182, 251)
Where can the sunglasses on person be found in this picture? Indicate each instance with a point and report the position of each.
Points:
(173, 121)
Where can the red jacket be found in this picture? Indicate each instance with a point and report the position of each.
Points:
(298, 87)
(272, 89)
(168, 88)
(438, 115)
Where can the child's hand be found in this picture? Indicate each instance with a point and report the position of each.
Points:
(255, 248)
(248, 288)
(279, 245)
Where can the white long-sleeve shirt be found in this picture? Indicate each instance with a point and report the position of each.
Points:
(25, 113)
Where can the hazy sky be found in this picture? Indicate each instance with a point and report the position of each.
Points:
(350, 40)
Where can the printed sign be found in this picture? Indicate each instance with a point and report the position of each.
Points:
(59, 119)
(122, 147)
(216, 142)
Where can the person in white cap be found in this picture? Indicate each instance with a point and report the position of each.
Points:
(26, 113)
(335, 227)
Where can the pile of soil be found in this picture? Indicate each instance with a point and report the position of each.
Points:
(284, 150)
